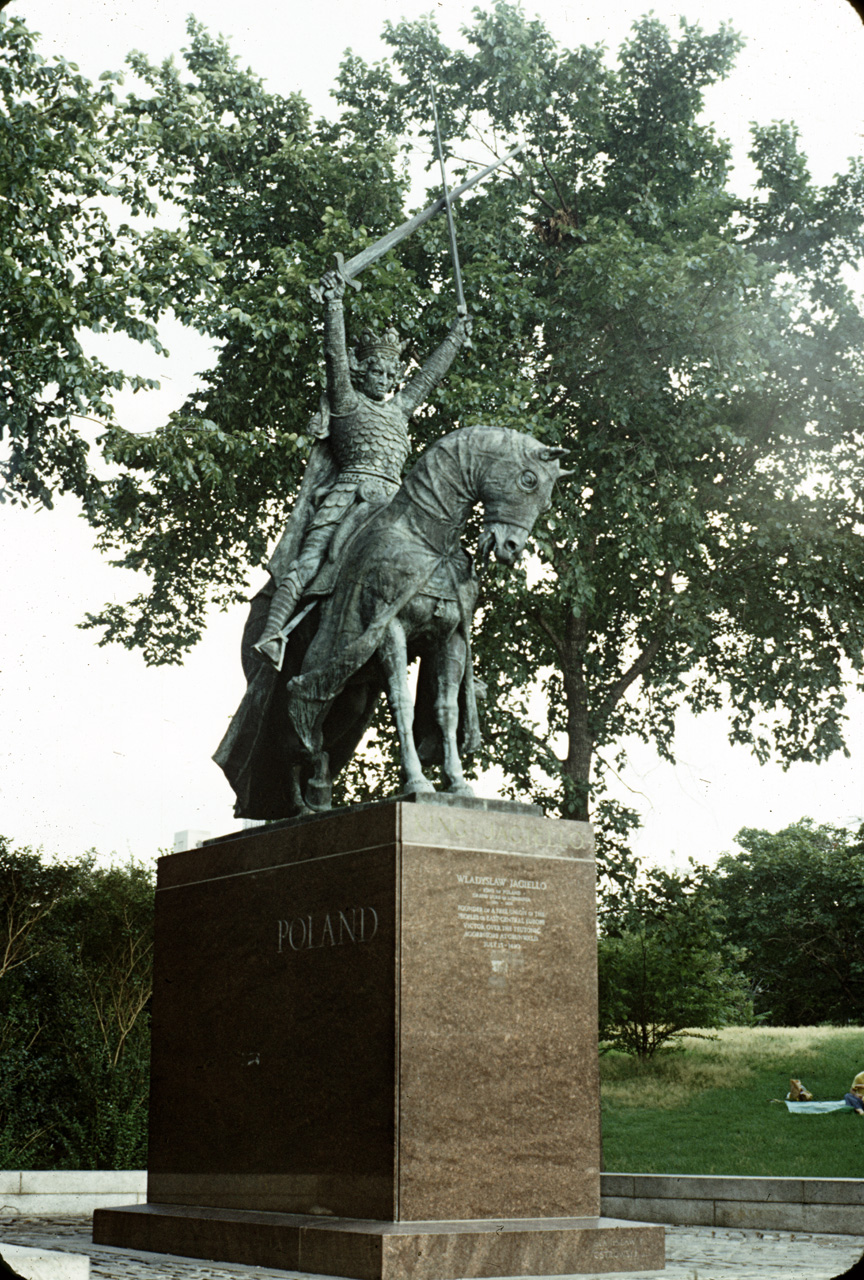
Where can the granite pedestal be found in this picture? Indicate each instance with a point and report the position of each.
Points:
(375, 1051)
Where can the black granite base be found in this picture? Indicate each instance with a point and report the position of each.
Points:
(366, 1250)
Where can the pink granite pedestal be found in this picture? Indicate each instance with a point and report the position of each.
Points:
(375, 1051)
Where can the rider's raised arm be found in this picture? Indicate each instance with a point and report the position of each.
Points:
(341, 394)
(417, 390)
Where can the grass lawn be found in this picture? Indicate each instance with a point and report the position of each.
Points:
(707, 1107)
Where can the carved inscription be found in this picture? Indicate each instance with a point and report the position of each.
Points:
(618, 1251)
(328, 929)
(503, 913)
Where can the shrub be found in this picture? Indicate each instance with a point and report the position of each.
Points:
(75, 982)
(665, 967)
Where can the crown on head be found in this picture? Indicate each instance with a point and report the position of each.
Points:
(387, 343)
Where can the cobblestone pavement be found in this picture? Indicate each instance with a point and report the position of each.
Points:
(692, 1253)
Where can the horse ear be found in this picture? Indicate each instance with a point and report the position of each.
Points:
(562, 472)
(547, 454)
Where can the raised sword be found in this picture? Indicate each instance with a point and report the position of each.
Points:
(352, 268)
(461, 305)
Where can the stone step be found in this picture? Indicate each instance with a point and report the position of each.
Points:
(45, 1264)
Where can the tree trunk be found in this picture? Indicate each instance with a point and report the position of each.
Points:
(583, 719)
(580, 741)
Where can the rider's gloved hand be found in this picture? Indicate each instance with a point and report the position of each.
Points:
(332, 286)
(461, 328)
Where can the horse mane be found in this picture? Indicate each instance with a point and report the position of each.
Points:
(447, 473)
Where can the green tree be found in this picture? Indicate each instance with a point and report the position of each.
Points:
(103, 1016)
(65, 268)
(267, 196)
(74, 1012)
(700, 352)
(793, 901)
(30, 892)
(239, 201)
(664, 966)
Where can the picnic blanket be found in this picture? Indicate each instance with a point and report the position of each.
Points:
(813, 1108)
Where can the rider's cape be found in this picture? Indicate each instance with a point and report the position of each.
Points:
(239, 750)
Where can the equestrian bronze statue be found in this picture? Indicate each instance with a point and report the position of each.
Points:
(401, 587)
(371, 574)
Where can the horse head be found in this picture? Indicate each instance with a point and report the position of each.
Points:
(515, 487)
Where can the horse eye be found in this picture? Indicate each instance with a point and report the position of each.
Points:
(528, 480)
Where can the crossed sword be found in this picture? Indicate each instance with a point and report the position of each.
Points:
(351, 269)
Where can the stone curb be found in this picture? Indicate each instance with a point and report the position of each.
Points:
(46, 1264)
(833, 1205)
(43, 1192)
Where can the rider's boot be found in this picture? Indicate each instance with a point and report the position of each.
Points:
(271, 645)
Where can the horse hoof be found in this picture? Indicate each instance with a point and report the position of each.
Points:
(460, 789)
(318, 798)
(422, 787)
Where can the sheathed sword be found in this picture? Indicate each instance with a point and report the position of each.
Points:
(352, 268)
(461, 306)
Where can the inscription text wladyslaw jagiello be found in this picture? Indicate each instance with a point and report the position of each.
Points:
(504, 913)
(336, 928)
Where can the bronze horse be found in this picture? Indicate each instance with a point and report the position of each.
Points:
(400, 586)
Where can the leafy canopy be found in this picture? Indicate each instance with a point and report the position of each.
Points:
(243, 200)
(65, 269)
(698, 350)
(793, 900)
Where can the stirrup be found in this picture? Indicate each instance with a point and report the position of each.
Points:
(272, 649)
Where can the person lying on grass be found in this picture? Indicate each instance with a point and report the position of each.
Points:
(855, 1098)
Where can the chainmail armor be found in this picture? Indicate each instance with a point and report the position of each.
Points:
(372, 440)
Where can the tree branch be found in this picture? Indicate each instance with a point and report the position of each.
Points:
(640, 665)
(549, 632)
(544, 752)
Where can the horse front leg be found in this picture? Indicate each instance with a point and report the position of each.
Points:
(319, 788)
(393, 657)
(450, 662)
(317, 796)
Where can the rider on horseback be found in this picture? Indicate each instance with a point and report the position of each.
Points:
(363, 446)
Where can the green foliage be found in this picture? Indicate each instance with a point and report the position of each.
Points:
(246, 200)
(64, 268)
(664, 966)
(698, 350)
(75, 983)
(793, 900)
(717, 1108)
(266, 197)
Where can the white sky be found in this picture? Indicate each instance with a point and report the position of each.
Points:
(99, 751)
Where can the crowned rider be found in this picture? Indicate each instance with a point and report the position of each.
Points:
(366, 429)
